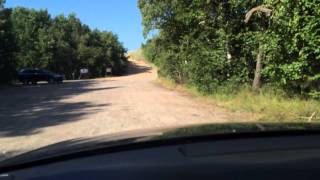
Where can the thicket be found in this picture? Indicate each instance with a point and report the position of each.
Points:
(211, 44)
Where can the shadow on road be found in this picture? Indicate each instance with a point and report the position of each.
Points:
(25, 110)
(134, 68)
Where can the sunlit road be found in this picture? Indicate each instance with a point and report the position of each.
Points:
(35, 116)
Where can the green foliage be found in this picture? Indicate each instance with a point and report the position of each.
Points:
(295, 60)
(31, 38)
(208, 45)
(7, 47)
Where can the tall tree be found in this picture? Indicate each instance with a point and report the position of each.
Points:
(7, 46)
(209, 44)
(31, 29)
(256, 85)
(31, 38)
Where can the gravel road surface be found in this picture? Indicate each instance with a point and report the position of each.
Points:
(35, 116)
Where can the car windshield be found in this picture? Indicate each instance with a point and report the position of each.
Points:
(81, 69)
(26, 71)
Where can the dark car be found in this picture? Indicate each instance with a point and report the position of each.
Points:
(27, 76)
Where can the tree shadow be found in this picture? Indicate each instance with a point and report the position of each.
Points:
(26, 110)
(136, 69)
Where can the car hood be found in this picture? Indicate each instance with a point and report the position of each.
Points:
(80, 145)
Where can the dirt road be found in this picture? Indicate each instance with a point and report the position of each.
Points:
(35, 116)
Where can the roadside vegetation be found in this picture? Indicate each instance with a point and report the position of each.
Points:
(33, 39)
(259, 56)
(269, 105)
(137, 55)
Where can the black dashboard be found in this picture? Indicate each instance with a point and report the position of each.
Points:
(285, 157)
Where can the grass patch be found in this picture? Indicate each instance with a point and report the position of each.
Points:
(270, 105)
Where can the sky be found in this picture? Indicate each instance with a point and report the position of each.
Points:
(122, 17)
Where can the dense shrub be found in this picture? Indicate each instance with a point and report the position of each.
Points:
(208, 44)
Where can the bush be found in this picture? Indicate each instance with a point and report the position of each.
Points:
(208, 45)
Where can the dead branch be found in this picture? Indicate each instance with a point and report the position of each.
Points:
(311, 117)
(257, 9)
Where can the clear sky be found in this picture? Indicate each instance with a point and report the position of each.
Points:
(119, 16)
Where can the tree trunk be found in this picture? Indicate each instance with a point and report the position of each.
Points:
(256, 85)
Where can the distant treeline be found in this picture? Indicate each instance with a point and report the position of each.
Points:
(229, 43)
(33, 39)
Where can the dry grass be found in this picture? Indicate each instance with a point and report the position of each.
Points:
(268, 105)
(136, 55)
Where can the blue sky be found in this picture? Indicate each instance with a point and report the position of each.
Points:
(119, 16)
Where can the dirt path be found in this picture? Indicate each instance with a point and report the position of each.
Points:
(35, 116)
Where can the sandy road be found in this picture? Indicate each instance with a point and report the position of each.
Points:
(35, 116)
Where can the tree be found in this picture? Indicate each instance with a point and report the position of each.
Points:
(31, 38)
(7, 47)
(291, 60)
(66, 34)
(195, 39)
(31, 29)
(209, 44)
(256, 85)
